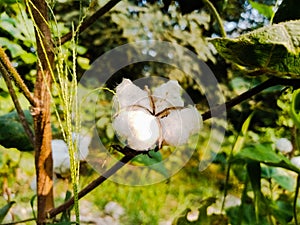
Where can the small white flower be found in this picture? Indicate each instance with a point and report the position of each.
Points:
(284, 145)
(146, 120)
(296, 161)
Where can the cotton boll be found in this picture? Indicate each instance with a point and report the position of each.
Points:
(284, 145)
(61, 159)
(138, 127)
(83, 145)
(128, 94)
(296, 161)
(167, 95)
(179, 125)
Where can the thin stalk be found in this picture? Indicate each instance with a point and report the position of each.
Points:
(295, 200)
(92, 19)
(16, 102)
(16, 77)
(91, 186)
(273, 81)
(217, 17)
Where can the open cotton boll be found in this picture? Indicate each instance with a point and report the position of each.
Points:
(83, 144)
(61, 159)
(296, 161)
(128, 94)
(179, 125)
(167, 95)
(138, 127)
(284, 145)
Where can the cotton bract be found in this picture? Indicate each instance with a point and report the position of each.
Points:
(144, 120)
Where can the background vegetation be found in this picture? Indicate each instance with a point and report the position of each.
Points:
(250, 180)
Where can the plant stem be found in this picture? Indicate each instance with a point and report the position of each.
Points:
(273, 81)
(295, 199)
(16, 102)
(217, 17)
(41, 113)
(91, 186)
(92, 19)
(13, 74)
(130, 154)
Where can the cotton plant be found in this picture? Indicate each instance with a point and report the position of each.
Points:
(146, 119)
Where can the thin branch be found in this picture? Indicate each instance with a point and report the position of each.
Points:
(273, 81)
(92, 19)
(16, 102)
(16, 77)
(130, 154)
(19, 222)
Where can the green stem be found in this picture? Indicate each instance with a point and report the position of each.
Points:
(217, 17)
(295, 199)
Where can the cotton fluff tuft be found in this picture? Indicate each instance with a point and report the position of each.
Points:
(296, 161)
(284, 145)
(138, 128)
(144, 120)
(60, 153)
(179, 125)
(167, 95)
(61, 159)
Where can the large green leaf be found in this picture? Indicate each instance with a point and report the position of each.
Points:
(12, 134)
(269, 50)
(264, 153)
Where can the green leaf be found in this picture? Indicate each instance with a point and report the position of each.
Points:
(66, 214)
(244, 214)
(5, 209)
(153, 161)
(295, 107)
(282, 211)
(254, 172)
(284, 180)
(12, 134)
(269, 50)
(15, 49)
(266, 10)
(264, 153)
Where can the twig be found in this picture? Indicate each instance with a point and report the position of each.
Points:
(273, 81)
(15, 75)
(14, 97)
(89, 21)
(19, 222)
(130, 154)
